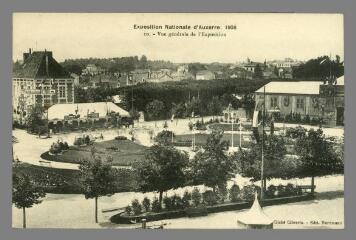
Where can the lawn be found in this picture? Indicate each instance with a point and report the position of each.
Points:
(227, 126)
(67, 181)
(200, 138)
(123, 152)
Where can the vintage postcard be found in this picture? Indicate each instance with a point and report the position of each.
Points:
(178, 120)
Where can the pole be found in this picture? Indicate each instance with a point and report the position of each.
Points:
(232, 133)
(263, 140)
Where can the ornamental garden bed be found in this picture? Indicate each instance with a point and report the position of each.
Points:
(185, 140)
(123, 218)
(123, 152)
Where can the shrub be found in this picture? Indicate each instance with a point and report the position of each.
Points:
(234, 193)
(78, 141)
(128, 210)
(186, 198)
(65, 146)
(136, 207)
(271, 191)
(248, 192)
(156, 207)
(177, 202)
(55, 148)
(280, 190)
(209, 197)
(87, 140)
(289, 190)
(146, 203)
(222, 192)
(168, 204)
(196, 197)
(296, 132)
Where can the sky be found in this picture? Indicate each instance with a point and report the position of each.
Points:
(105, 35)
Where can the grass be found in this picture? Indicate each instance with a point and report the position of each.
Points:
(123, 152)
(67, 181)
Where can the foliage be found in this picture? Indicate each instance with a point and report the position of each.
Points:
(25, 193)
(177, 202)
(211, 166)
(248, 192)
(164, 138)
(136, 207)
(163, 169)
(128, 210)
(154, 109)
(249, 161)
(97, 178)
(187, 196)
(35, 119)
(317, 69)
(317, 156)
(234, 193)
(156, 206)
(210, 198)
(146, 204)
(258, 72)
(215, 106)
(196, 197)
(297, 132)
(58, 147)
(167, 201)
(222, 192)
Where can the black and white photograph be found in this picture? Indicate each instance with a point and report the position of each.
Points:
(178, 120)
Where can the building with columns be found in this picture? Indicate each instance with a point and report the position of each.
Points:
(312, 99)
(40, 80)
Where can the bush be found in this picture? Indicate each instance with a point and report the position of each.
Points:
(119, 138)
(222, 192)
(186, 199)
(128, 210)
(248, 192)
(78, 141)
(156, 207)
(146, 203)
(209, 197)
(168, 204)
(65, 146)
(289, 190)
(177, 202)
(280, 190)
(234, 193)
(297, 132)
(196, 197)
(271, 191)
(136, 207)
(55, 148)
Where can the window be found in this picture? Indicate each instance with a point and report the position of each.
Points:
(62, 91)
(300, 103)
(273, 102)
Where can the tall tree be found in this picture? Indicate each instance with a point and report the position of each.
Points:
(211, 166)
(97, 178)
(317, 156)
(215, 106)
(35, 119)
(163, 169)
(155, 109)
(25, 193)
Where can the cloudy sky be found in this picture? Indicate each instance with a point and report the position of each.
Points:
(258, 36)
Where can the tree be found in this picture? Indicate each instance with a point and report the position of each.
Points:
(163, 169)
(97, 178)
(25, 193)
(215, 106)
(211, 166)
(249, 161)
(35, 121)
(317, 156)
(154, 109)
(258, 72)
(164, 138)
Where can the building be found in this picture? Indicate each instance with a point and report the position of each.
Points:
(40, 80)
(205, 75)
(92, 70)
(312, 100)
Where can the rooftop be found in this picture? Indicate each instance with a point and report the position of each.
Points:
(289, 87)
(39, 65)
